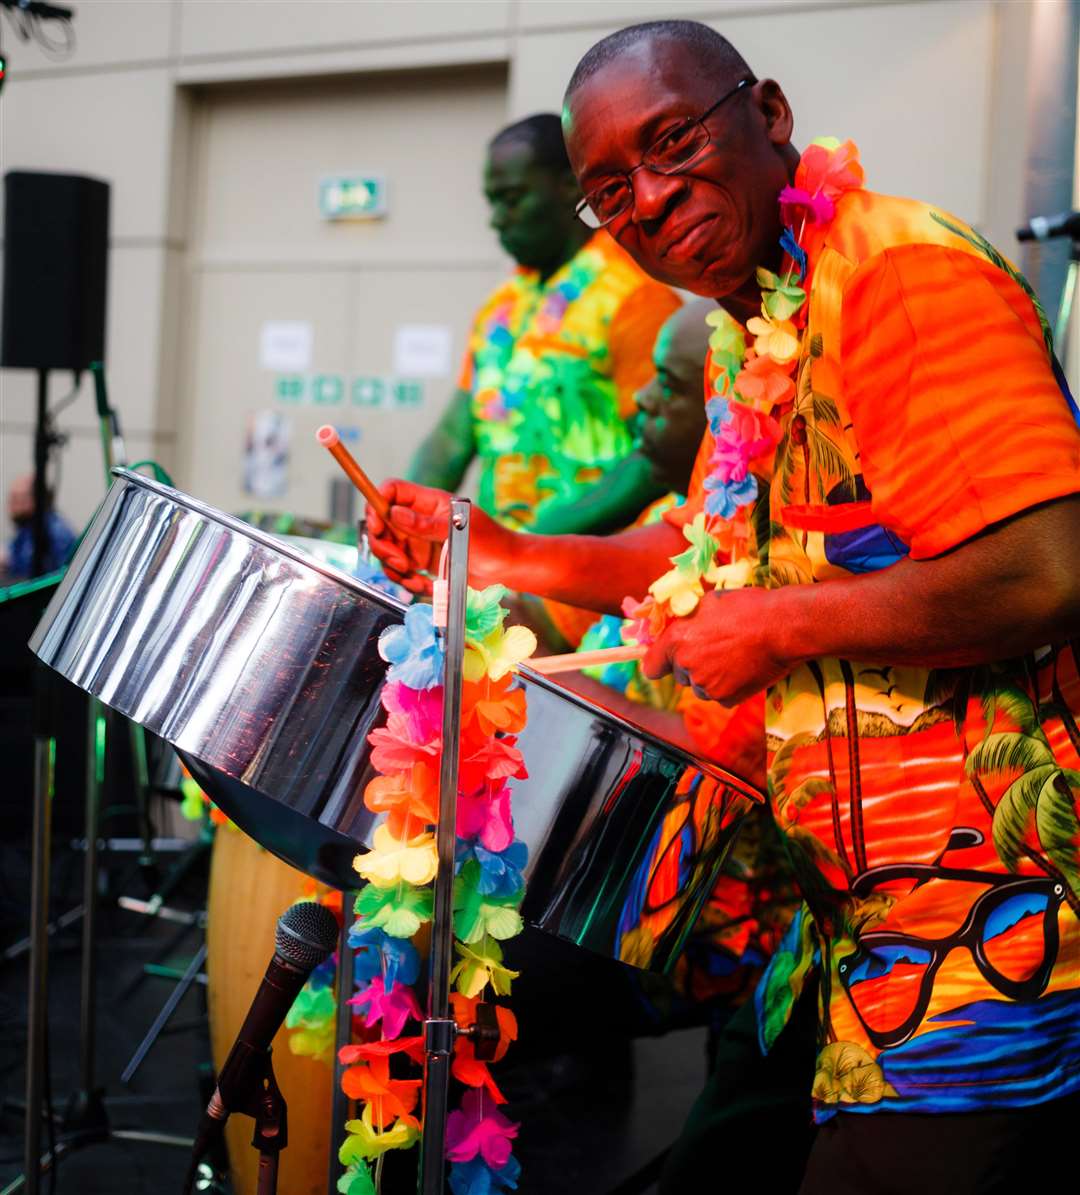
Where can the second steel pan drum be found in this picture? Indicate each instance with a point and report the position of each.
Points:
(260, 665)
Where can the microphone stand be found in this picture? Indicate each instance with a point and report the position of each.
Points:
(1068, 297)
(439, 1027)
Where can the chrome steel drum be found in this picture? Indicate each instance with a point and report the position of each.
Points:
(260, 665)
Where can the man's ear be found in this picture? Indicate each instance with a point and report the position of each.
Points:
(774, 107)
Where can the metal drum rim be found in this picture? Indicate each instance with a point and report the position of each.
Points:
(213, 514)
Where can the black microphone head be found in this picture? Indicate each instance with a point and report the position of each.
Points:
(306, 934)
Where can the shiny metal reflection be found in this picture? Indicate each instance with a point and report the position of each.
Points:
(260, 665)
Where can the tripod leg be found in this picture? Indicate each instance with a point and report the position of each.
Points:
(38, 1004)
(167, 1010)
(141, 777)
(95, 777)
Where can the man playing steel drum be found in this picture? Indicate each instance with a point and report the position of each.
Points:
(885, 537)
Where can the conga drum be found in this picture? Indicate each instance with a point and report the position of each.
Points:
(249, 890)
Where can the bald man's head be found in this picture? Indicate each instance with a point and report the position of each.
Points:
(673, 403)
(711, 50)
(706, 223)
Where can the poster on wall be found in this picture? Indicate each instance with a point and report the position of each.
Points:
(285, 345)
(266, 454)
(422, 350)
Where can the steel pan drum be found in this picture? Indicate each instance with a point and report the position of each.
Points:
(260, 665)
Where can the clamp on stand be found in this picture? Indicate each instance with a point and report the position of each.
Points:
(247, 1085)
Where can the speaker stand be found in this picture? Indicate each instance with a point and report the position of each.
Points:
(45, 439)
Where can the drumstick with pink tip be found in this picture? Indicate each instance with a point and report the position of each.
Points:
(328, 437)
(576, 660)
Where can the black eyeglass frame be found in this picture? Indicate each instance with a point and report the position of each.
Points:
(628, 176)
(969, 936)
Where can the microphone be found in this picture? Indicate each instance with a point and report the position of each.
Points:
(306, 934)
(1042, 228)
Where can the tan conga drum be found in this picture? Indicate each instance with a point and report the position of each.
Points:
(249, 890)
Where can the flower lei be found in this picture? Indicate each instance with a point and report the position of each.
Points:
(497, 395)
(398, 898)
(753, 389)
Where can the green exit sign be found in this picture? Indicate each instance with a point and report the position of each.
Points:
(352, 197)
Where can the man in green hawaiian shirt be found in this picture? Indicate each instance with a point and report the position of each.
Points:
(554, 355)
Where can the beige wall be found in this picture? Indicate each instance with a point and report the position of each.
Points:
(259, 252)
(934, 91)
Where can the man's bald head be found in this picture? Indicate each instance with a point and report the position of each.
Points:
(711, 50)
(707, 224)
(673, 403)
(542, 134)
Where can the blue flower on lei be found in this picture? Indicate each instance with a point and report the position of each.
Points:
(795, 251)
(370, 573)
(394, 960)
(724, 499)
(500, 871)
(476, 1177)
(718, 413)
(323, 975)
(413, 651)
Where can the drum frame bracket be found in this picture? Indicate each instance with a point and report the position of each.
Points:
(439, 1026)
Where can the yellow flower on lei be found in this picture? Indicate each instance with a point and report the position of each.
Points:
(736, 575)
(365, 1140)
(776, 338)
(681, 591)
(726, 335)
(501, 652)
(391, 861)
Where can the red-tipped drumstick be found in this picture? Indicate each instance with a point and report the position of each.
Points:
(331, 441)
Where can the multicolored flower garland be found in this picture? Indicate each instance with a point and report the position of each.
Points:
(398, 898)
(753, 389)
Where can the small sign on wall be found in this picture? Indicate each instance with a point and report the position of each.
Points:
(364, 391)
(352, 197)
(422, 350)
(285, 345)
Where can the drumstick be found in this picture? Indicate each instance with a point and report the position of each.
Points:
(576, 660)
(331, 441)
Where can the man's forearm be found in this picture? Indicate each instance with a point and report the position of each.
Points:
(443, 457)
(1011, 590)
(583, 570)
(616, 500)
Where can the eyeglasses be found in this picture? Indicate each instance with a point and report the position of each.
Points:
(669, 154)
(1011, 932)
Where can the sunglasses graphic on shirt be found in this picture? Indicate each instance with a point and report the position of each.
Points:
(1011, 932)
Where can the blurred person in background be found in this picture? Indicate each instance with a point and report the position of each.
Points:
(17, 563)
(554, 355)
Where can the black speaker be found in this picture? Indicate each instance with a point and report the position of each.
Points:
(56, 234)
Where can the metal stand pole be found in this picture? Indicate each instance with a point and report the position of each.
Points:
(1068, 297)
(339, 1104)
(38, 1007)
(42, 444)
(86, 1111)
(439, 1028)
